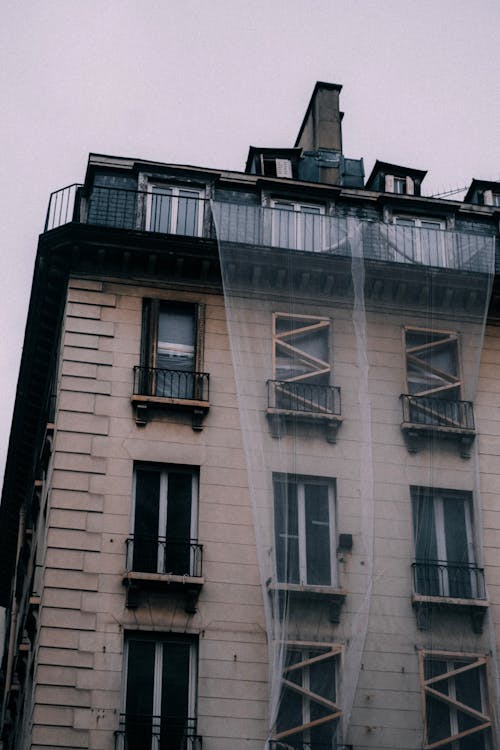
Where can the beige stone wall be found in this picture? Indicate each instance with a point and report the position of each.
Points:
(83, 616)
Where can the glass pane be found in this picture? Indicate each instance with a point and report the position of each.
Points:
(161, 210)
(286, 531)
(147, 509)
(175, 695)
(428, 578)
(178, 532)
(188, 213)
(457, 547)
(176, 351)
(140, 689)
(302, 353)
(317, 514)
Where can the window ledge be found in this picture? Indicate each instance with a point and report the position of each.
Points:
(423, 604)
(143, 403)
(333, 595)
(190, 586)
(278, 418)
(413, 432)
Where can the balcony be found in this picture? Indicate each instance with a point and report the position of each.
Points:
(159, 388)
(260, 226)
(292, 401)
(163, 565)
(440, 585)
(139, 732)
(429, 417)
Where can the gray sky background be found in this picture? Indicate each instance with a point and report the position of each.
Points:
(198, 81)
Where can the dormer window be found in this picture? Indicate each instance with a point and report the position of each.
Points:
(399, 185)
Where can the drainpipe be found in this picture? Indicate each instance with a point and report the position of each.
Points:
(13, 615)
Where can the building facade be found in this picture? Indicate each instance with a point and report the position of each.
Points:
(251, 490)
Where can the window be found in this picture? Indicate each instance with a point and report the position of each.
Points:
(298, 226)
(301, 364)
(456, 710)
(308, 711)
(175, 210)
(304, 526)
(171, 350)
(496, 199)
(165, 521)
(432, 364)
(160, 694)
(420, 240)
(400, 185)
(444, 548)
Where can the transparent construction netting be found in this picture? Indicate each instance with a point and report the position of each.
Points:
(342, 331)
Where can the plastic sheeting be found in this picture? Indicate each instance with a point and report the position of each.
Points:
(330, 320)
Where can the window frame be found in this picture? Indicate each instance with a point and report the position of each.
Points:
(176, 197)
(436, 497)
(311, 654)
(151, 311)
(300, 481)
(163, 502)
(447, 337)
(307, 323)
(159, 639)
(429, 691)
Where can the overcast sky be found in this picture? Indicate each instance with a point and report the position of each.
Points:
(198, 81)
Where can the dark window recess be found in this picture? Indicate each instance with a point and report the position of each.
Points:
(160, 689)
(165, 523)
(113, 201)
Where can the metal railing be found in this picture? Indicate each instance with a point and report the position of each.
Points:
(123, 208)
(438, 412)
(177, 384)
(176, 212)
(447, 579)
(305, 398)
(147, 554)
(143, 732)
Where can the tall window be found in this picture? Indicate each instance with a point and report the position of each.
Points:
(302, 362)
(432, 363)
(165, 520)
(457, 715)
(308, 711)
(304, 525)
(171, 348)
(175, 210)
(444, 548)
(160, 694)
(299, 226)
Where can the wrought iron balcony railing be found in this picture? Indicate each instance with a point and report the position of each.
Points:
(146, 554)
(447, 579)
(175, 211)
(173, 384)
(140, 732)
(437, 412)
(303, 398)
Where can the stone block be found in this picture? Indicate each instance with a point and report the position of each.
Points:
(75, 402)
(71, 579)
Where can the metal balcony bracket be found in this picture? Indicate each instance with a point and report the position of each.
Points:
(141, 414)
(417, 436)
(280, 419)
(426, 610)
(132, 589)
